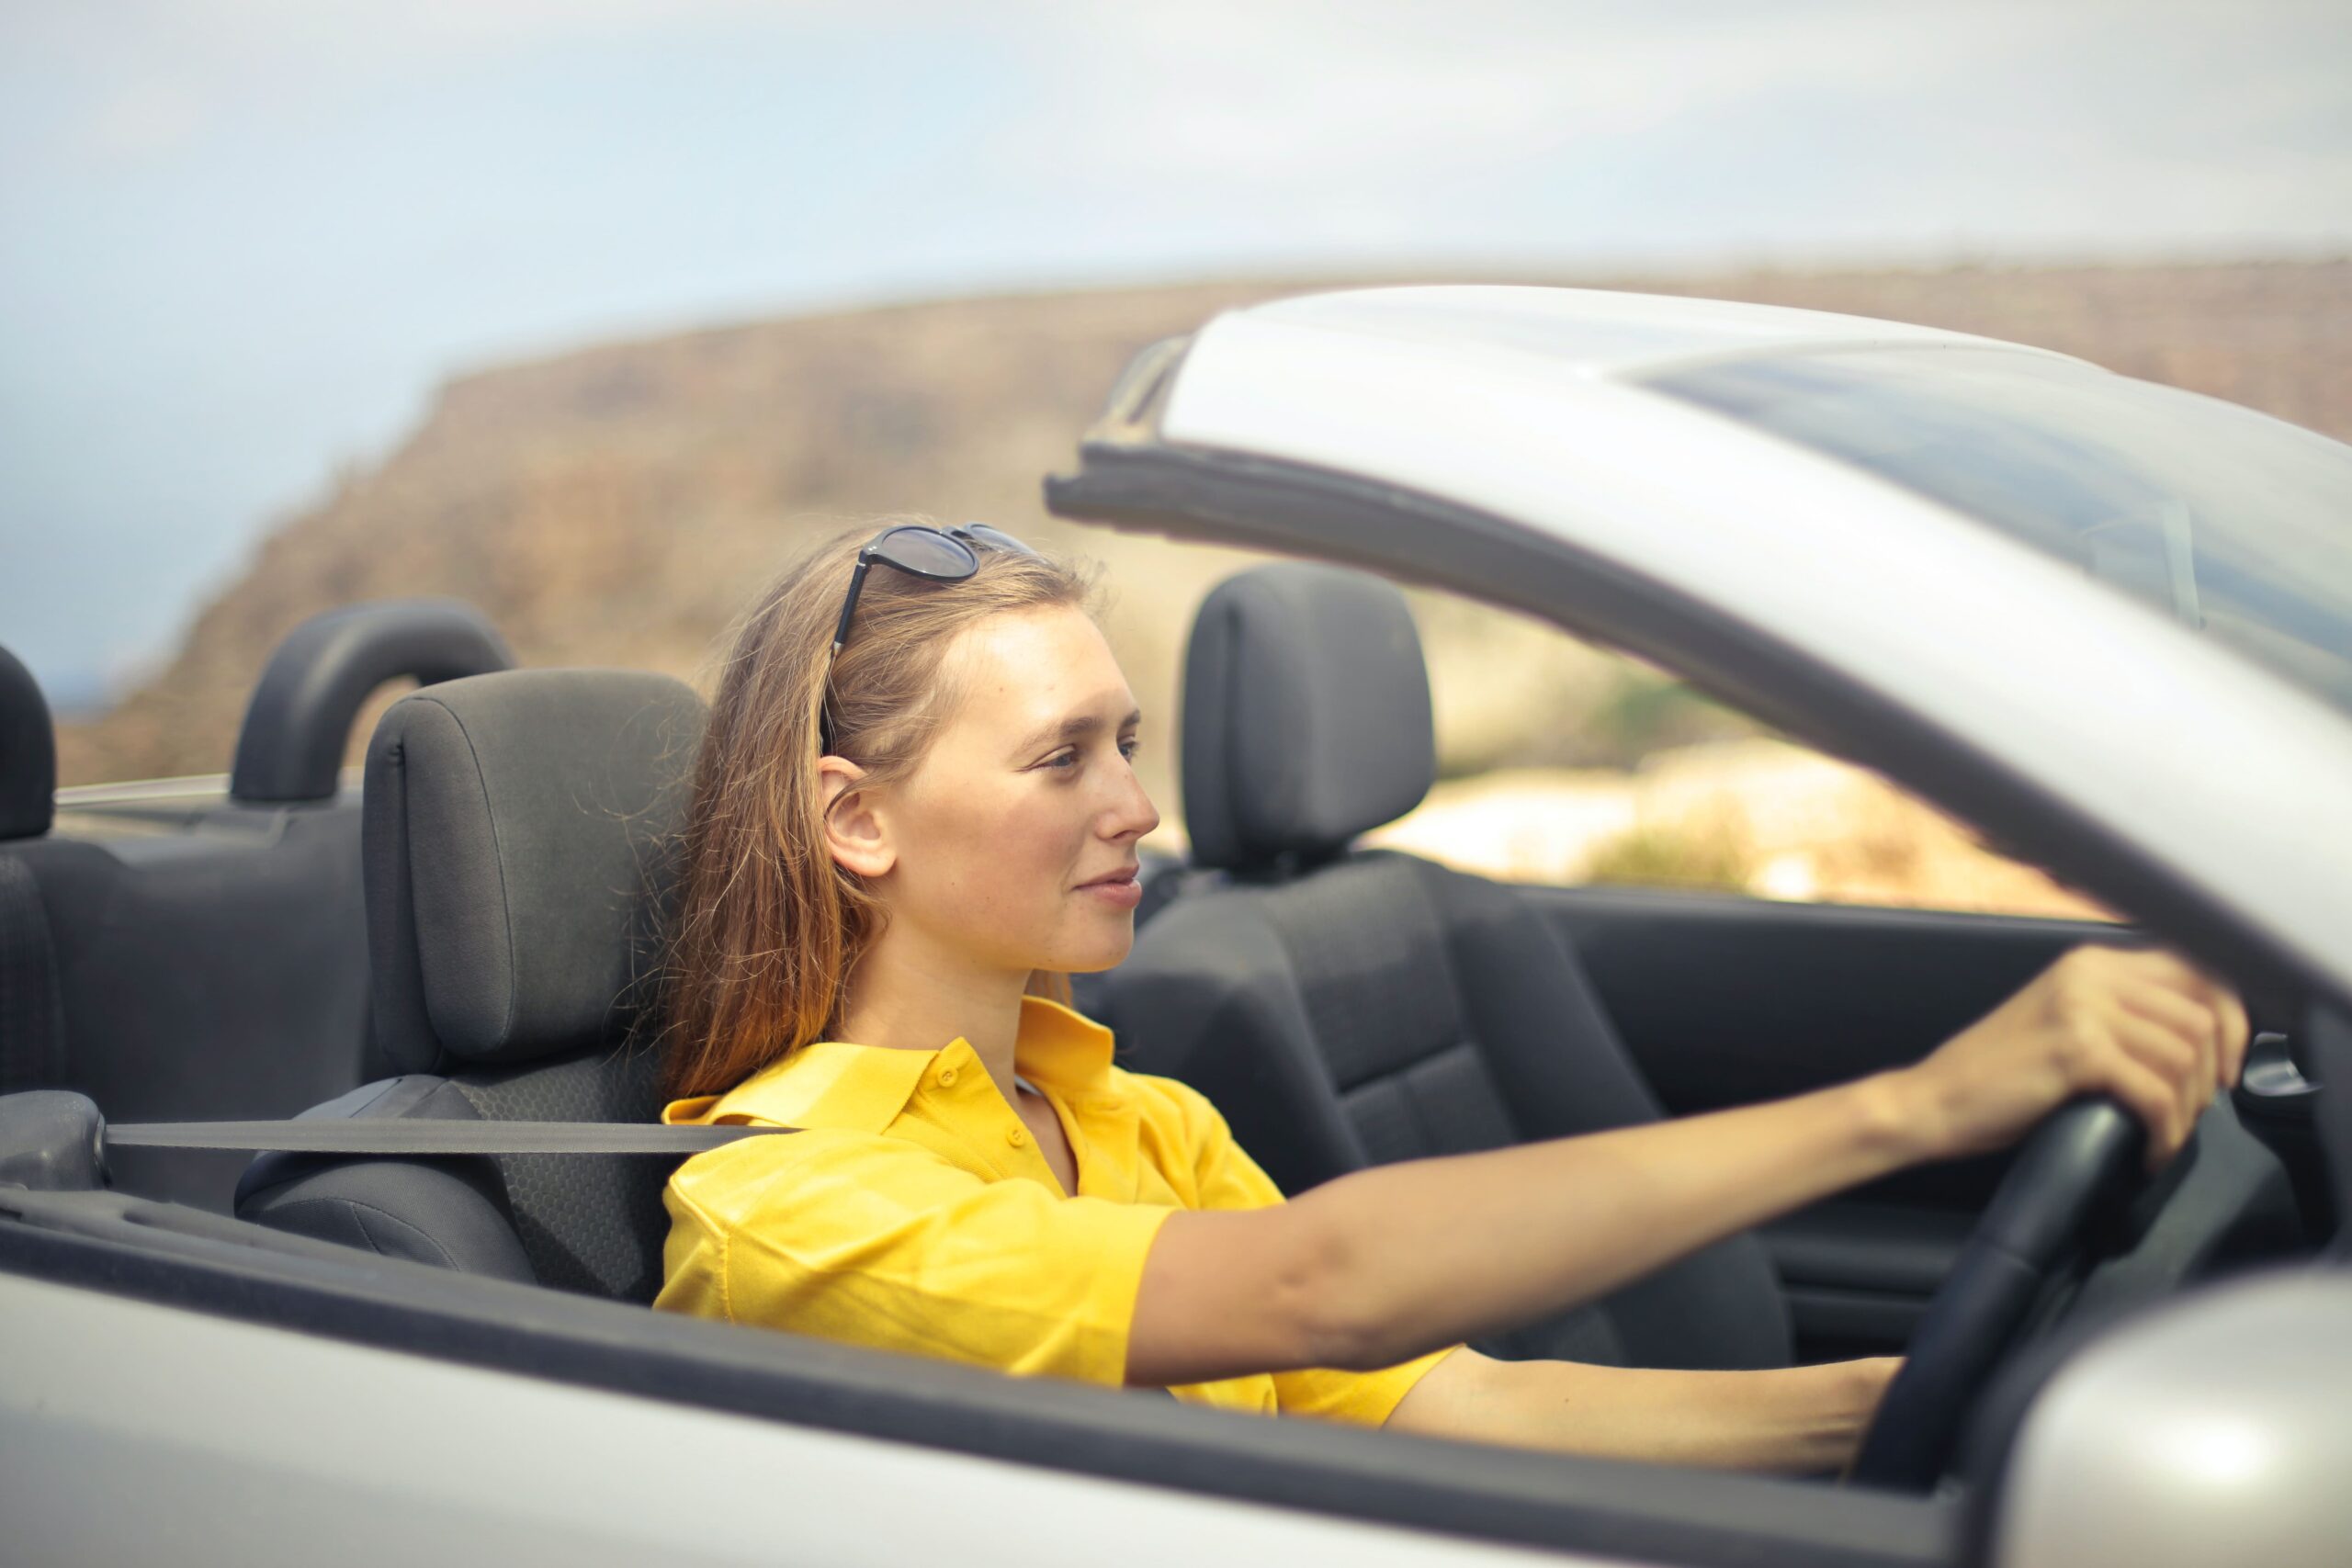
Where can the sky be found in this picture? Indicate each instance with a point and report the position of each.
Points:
(242, 241)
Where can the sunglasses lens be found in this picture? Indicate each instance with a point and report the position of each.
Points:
(996, 539)
(927, 552)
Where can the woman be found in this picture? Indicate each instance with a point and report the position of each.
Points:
(915, 813)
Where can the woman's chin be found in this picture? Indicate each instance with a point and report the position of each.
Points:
(1093, 958)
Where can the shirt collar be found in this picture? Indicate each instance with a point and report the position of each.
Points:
(836, 1083)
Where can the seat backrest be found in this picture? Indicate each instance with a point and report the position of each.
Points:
(172, 957)
(1344, 1008)
(205, 948)
(516, 841)
(32, 1019)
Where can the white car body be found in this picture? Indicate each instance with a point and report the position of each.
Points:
(149, 1419)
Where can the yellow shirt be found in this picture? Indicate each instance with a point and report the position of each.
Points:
(914, 1212)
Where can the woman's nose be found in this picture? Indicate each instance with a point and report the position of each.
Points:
(1131, 814)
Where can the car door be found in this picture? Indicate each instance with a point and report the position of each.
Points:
(1724, 1000)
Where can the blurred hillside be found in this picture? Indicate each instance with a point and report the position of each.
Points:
(618, 504)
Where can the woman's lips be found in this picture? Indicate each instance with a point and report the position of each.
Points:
(1124, 891)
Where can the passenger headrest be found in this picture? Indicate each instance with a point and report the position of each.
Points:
(28, 753)
(517, 829)
(1307, 715)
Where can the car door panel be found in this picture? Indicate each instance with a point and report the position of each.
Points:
(1724, 1000)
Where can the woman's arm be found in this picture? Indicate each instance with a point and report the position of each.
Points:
(1798, 1420)
(1385, 1263)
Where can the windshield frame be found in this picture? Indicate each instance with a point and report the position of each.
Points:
(1130, 478)
(2223, 519)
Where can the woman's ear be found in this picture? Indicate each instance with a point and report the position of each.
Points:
(855, 833)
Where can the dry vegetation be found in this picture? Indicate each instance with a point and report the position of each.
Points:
(1758, 817)
(617, 505)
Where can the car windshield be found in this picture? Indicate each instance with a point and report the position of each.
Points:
(2233, 523)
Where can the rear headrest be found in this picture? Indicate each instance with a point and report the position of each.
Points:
(28, 753)
(1307, 715)
(517, 829)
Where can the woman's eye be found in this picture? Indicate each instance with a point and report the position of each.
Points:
(1074, 757)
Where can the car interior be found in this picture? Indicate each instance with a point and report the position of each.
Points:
(197, 949)
(473, 936)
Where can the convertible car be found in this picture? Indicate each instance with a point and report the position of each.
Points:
(2107, 624)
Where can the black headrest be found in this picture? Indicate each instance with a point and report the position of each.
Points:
(1307, 715)
(300, 717)
(517, 829)
(28, 753)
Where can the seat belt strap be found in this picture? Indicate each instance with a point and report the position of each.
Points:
(429, 1135)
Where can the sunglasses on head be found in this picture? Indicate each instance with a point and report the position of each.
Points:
(936, 555)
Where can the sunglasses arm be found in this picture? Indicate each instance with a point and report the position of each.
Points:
(849, 603)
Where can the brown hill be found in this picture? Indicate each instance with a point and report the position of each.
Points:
(618, 504)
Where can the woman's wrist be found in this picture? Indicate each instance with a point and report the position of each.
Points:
(1902, 1116)
(1860, 1392)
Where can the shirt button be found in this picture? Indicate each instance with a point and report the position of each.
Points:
(1016, 1136)
(947, 1077)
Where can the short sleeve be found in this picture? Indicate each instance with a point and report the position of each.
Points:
(1223, 1175)
(1365, 1399)
(876, 1241)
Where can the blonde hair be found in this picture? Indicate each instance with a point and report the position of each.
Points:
(767, 927)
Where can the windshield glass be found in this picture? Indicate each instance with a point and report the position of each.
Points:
(2232, 523)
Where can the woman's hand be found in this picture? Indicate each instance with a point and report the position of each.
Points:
(2142, 1025)
(1794, 1420)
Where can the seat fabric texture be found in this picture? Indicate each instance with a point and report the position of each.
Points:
(518, 834)
(32, 1020)
(1348, 1008)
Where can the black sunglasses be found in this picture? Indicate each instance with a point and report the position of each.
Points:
(936, 555)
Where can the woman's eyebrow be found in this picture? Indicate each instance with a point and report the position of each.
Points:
(1075, 727)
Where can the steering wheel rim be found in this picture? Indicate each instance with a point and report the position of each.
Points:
(2082, 1158)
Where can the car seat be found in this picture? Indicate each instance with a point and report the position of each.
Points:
(32, 1016)
(197, 953)
(1344, 1007)
(517, 829)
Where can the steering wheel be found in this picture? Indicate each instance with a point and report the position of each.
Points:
(2083, 1157)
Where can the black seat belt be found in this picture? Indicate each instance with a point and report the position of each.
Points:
(427, 1135)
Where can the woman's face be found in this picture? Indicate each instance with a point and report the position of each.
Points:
(1013, 842)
